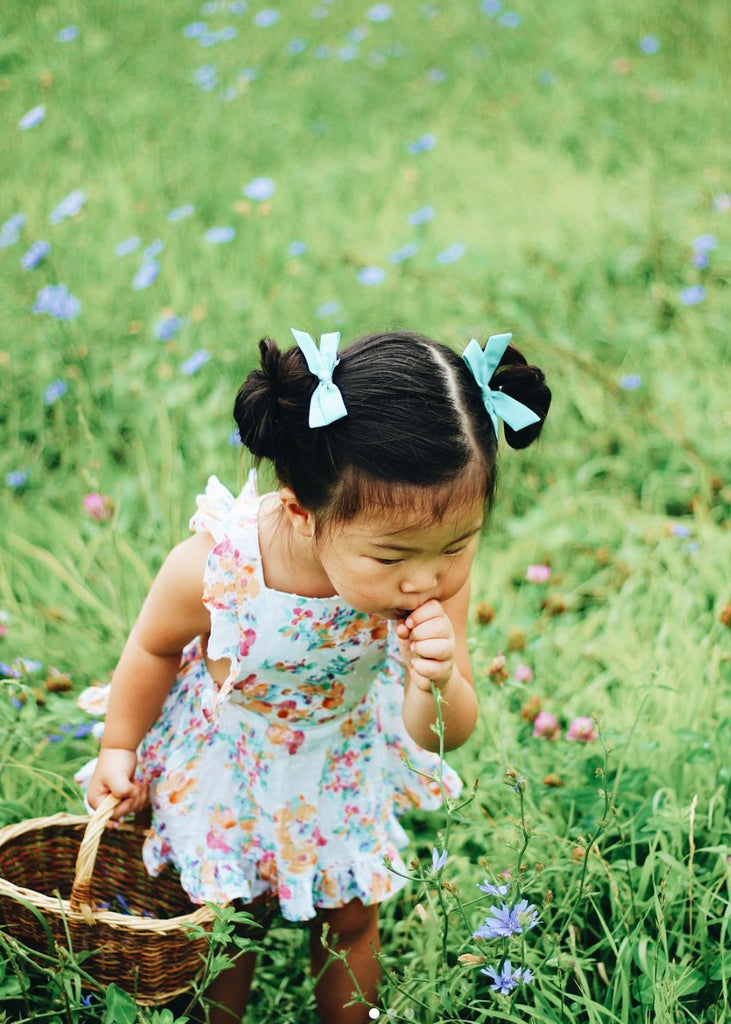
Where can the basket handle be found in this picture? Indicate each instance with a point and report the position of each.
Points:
(81, 890)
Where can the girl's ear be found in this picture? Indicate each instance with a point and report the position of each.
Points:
(301, 521)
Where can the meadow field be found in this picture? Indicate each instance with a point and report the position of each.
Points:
(180, 179)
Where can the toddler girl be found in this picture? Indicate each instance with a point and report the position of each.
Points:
(282, 665)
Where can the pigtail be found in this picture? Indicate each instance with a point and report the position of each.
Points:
(526, 383)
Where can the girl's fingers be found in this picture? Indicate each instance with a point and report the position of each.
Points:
(438, 649)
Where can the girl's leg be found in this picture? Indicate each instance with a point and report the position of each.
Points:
(354, 928)
(228, 994)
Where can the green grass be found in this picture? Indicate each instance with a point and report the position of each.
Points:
(576, 170)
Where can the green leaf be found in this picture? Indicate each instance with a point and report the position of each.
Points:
(120, 1007)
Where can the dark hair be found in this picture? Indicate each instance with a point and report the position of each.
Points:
(416, 422)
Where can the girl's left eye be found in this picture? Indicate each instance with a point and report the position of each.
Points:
(456, 550)
(388, 561)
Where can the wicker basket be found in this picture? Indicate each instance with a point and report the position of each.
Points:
(54, 869)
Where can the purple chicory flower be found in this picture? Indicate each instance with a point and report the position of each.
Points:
(17, 478)
(493, 890)
(259, 189)
(235, 438)
(371, 275)
(55, 390)
(704, 243)
(68, 34)
(649, 44)
(452, 253)
(328, 309)
(504, 921)
(55, 300)
(379, 13)
(421, 216)
(506, 978)
(193, 363)
(167, 327)
(181, 212)
(266, 18)
(195, 29)
(69, 206)
(127, 246)
(510, 19)
(631, 382)
(32, 118)
(438, 860)
(146, 275)
(490, 7)
(153, 249)
(692, 295)
(219, 235)
(405, 252)
(297, 248)
(423, 144)
(35, 255)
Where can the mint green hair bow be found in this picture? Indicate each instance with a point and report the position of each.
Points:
(482, 366)
(326, 404)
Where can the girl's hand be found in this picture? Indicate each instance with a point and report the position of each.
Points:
(114, 773)
(428, 638)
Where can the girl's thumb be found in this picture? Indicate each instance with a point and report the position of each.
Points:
(120, 785)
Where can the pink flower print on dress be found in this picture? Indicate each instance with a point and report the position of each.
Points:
(545, 726)
(292, 739)
(582, 729)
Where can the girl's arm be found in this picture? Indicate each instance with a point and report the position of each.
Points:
(434, 641)
(173, 614)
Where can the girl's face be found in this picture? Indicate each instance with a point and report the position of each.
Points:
(389, 567)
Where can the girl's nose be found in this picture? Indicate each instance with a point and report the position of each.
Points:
(420, 582)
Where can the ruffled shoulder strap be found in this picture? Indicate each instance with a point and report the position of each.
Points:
(217, 507)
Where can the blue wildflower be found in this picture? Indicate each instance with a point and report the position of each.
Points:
(546, 78)
(146, 275)
(452, 253)
(631, 382)
(237, 6)
(69, 206)
(195, 30)
(259, 189)
(296, 47)
(704, 243)
(297, 248)
(423, 144)
(55, 300)
(193, 363)
(181, 212)
(55, 390)
(206, 77)
(217, 236)
(693, 295)
(678, 530)
(168, 327)
(438, 860)
(358, 34)
(208, 39)
(347, 53)
(10, 231)
(66, 35)
(404, 253)
(153, 249)
(248, 75)
(322, 52)
(379, 13)
(228, 33)
(510, 19)
(35, 255)
(371, 275)
(127, 246)
(436, 75)
(493, 890)
(328, 309)
(8, 672)
(266, 18)
(235, 438)
(210, 8)
(649, 44)
(506, 921)
(421, 216)
(32, 118)
(507, 977)
(700, 260)
(490, 7)
(17, 478)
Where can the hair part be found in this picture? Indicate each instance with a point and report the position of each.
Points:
(416, 435)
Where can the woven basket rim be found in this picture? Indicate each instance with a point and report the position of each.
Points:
(56, 905)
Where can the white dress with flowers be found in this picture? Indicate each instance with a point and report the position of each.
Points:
(289, 777)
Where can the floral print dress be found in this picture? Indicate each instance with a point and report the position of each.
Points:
(289, 777)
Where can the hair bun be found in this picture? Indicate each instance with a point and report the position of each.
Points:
(256, 407)
(526, 383)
